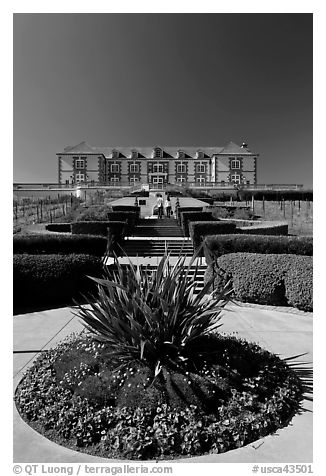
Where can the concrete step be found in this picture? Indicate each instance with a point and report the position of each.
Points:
(152, 267)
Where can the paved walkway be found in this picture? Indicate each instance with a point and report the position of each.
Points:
(147, 210)
(276, 329)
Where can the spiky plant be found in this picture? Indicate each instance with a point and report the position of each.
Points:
(153, 316)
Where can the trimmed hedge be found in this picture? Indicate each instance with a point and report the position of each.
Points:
(218, 245)
(61, 244)
(130, 218)
(298, 283)
(126, 208)
(118, 228)
(187, 217)
(58, 227)
(199, 229)
(53, 280)
(267, 228)
(277, 280)
(179, 210)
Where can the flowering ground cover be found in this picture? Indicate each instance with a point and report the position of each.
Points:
(151, 377)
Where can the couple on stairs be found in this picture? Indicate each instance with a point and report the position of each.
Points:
(160, 204)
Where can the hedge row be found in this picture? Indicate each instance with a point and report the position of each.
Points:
(218, 245)
(128, 217)
(118, 228)
(266, 228)
(179, 210)
(58, 227)
(187, 217)
(267, 279)
(61, 244)
(53, 280)
(126, 208)
(199, 229)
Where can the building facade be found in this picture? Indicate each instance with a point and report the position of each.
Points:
(157, 166)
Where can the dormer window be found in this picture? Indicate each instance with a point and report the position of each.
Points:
(235, 164)
(115, 154)
(181, 154)
(200, 154)
(157, 152)
(134, 154)
(79, 163)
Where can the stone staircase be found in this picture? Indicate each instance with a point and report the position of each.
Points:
(152, 238)
(158, 228)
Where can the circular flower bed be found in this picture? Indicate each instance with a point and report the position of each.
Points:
(231, 393)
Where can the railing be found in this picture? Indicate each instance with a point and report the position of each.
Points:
(137, 186)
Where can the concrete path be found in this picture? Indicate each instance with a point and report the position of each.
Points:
(147, 210)
(284, 331)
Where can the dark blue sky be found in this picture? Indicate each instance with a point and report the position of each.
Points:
(164, 79)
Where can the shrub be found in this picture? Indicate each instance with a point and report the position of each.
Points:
(57, 243)
(220, 212)
(95, 213)
(242, 214)
(266, 228)
(126, 208)
(52, 280)
(156, 318)
(186, 209)
(199, 229)
(58, 227)
(266, 279)
(118, 228)
(218, 245)
(187, 217)
(299, 284)
(129, 217)
(237, 212)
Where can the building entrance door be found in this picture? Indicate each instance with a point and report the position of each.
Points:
(158, 181)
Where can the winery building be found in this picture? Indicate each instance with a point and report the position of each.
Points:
(157, 166)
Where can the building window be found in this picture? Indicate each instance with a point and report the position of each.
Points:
(200, 154)
(158, 168)
(157, 152)
(201, 179)
(236, 178)
(79, 163)
(114, 178)
(80, 177)
(115, 168)
(200, 168)
(235, 164)
(134, 168)
(134, 154)
(181, 179)
(133, 179)
(181, 154)
(115, 154)
(181, 168)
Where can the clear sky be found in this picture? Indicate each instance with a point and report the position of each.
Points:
(164, 79)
